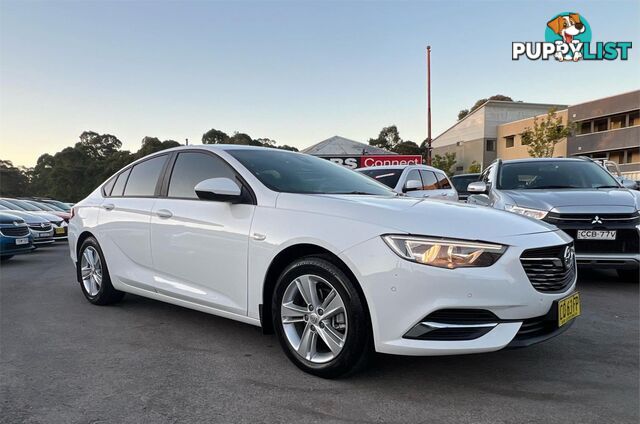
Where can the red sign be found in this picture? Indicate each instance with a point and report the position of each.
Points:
(373, 160)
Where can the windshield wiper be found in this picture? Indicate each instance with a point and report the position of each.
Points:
(353, 192)
(551, 186)
(606, 186)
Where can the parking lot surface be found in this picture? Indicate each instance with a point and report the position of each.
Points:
(64, 360)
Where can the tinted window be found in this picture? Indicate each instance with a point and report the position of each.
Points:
(443, 181)
(299, 173)
(554, 174)
(429, 181)
(388, 177)
(144, 176)
(192, 168)
(118, 187)
(106, 189)
(487, 177)
(461, 182)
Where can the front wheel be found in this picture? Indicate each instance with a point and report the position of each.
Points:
(320, 318)
(94, 275)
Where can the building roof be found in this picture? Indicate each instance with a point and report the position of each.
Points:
(340, 146)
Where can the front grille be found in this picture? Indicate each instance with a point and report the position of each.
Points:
(549, 269)
(606, 218)
(38, 227)
(15, 231)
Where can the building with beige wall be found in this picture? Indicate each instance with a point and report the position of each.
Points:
(509, 140)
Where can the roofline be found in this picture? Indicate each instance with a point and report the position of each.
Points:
(606, 97)
(542, 114)
(498, 102)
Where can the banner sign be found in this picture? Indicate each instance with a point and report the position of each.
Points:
(352, 162)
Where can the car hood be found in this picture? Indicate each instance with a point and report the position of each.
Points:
(29, 217)
(9, 218)
(549, 200)
(418, 216)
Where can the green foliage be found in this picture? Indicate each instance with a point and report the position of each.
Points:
(388, 138)
(474, 168)
(14, 181)
(480, 102)
(214, 136)
(407, 148)
(545, 134)
(445, 162)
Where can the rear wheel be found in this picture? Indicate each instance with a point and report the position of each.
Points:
(94, 275)
(320, 318)
(631, 275)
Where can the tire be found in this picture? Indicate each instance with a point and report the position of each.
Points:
(5, 258)
(102, 293)
(630, 275)
(352, 326)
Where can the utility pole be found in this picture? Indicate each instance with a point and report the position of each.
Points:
(428, 105)
(186, 141)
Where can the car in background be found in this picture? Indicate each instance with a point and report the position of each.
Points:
(41, 229)
(66, 207)
(413, 180)
(50, 208)
(576, 195)
(461, 182)
(15, 237)
(614, 170)
(60, 226)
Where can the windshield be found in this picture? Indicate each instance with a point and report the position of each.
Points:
(554, 174)
(22, 205)
(388, 177)
(461, 182)
(299, 173)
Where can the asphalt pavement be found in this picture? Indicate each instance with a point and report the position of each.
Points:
(63, 360)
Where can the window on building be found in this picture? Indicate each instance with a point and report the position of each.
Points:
(600, 125)
(634, 118)
(618, 121)
(491, 145)
(584, 127)
(509, 141)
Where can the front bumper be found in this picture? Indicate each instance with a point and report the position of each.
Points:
(400, 294)
(41, 238)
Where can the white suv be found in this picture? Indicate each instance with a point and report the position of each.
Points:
(414, 180)
(335, 263)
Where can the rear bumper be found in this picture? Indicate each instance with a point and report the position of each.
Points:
(609, 260)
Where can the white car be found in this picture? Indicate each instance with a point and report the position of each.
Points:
(335, 263)
(414, 180)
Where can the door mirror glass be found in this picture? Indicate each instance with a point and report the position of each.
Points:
(477, 187)
(412, 185)
(219, 189)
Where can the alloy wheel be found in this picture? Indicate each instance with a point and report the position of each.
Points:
(91, 271)
(314, 318)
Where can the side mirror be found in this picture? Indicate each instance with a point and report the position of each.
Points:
(412, 185)
(630, 184)
(477, 187)
(219, 189)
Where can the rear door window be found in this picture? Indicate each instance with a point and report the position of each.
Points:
(121, 180)
(144, 177)
(443, 181)
(429, 181)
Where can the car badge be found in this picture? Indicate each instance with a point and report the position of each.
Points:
(16, 223)
(42, 225)
(596, 220)
(569, 256)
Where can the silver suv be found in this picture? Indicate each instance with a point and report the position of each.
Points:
(578, 196)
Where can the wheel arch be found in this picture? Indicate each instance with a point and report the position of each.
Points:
(282, 260)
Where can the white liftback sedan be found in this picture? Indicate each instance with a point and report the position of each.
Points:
(336, 264)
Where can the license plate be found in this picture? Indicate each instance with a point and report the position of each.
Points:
(61, 230)
(22, 241)
(596, 234)
(568, 308)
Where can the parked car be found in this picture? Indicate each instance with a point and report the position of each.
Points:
(41, 229)
(461, 182)
(50, 208)
(60, 226)
(337, 264)
(413, 180)
(15, 238)
(578, 196)
(61, 205)
(614, 170)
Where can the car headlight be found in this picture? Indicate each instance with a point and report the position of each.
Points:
(445, 253)
(531, 213)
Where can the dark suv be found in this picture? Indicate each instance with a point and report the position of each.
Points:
(578, 196)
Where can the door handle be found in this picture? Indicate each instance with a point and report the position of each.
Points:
(109, 206)
(164, 213)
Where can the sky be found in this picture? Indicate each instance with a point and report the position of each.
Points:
(296, 72)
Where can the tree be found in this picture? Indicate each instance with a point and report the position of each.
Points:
(388, 138)
(14, 181)
(287, 147)
(266, 142)
(98, 146)
(407, 148)
(474, 168)
(545, 134)
(445, 162)
(214, 136)
(480, 102)
(153, 144)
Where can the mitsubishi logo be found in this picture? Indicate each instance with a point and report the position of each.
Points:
(569, 256)
(596, 220)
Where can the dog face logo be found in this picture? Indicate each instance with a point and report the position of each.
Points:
(568, 31)
(567, 26)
